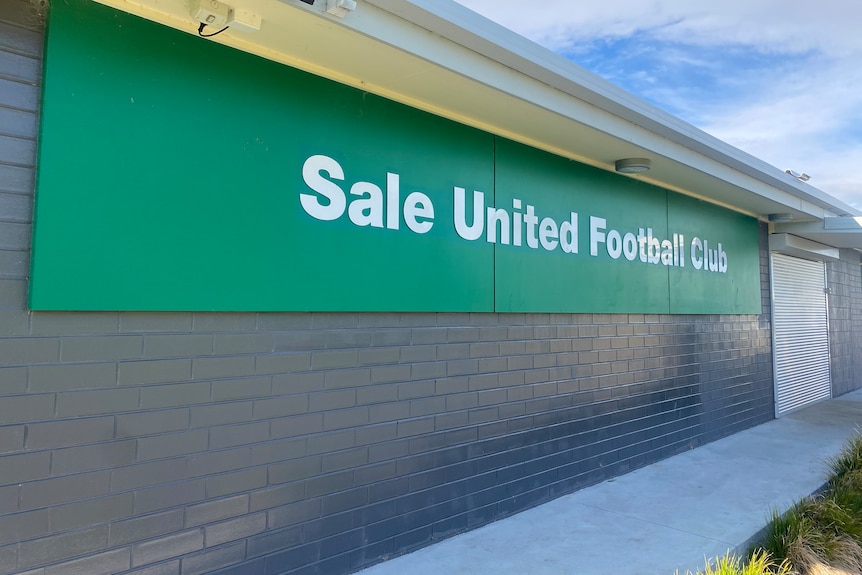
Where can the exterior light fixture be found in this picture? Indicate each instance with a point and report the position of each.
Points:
(780, 218)
(632, 165)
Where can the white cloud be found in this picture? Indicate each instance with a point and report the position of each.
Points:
(801, 108)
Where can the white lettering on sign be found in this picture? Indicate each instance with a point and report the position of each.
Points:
(368, 205)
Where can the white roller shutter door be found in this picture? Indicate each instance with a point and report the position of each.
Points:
(800, 333)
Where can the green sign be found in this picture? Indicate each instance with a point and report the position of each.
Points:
(177, 174)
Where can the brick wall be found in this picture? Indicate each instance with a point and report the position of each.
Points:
(184, 443)
(844, 279)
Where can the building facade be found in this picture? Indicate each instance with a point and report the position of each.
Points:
(212, 362)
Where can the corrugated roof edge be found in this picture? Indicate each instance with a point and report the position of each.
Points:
(462, 26)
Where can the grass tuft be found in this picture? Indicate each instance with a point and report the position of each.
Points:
(819, 535)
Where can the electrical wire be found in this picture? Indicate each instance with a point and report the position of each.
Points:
(201, 31)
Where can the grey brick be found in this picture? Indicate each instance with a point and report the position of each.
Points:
(246, 388)
(57, 434)
(175, 395)
(426, 336)
(101, 348)
(299, 341)
(28, 351)
(376, 394)
(233, 435)
(23, 526)
(282, 363)
(280, 406)
(324, 401)
(345, 339)
(236, 482)
(427, 406)
(106, 563)
(221, 413)
(148, 474)
(9, 557)
(296, 426)
(275, 496)
(17, 178)
(297, 383)
(45, 378)
(378, 356)
(326, 484)
(346, 378)
(218, 461)
(24, 467)
(139, 528)
(155, 371)
(18, 123)
(294, 470)
(13, 323)
(13, 295)
(73, 323)
(273, 451)
(334, 320)
(223, 322)
(13, 235)
(391, 337)
(81, 403)
(243, 343)
(390, 374)
(222, 367)
(427, 370)
(212, 559)
(234, 529)
(293, 514)
(91, 512)
(413, 427)
(93, 457)
(389, 412)
(329, 442)
(11, 439)
(9, 499)
(462, 367)
(170, 495)
(274, 541)
(61, 547)
(283, 321)
(213, 511)
(334, 359)
(185, 345)
(350, 459)
(15, 207)
(152, 422)
(345, 418)
(169, 568)
(15, 264)
(379, 320)
(369, 434)
(167, 547)
(417, 389)
(169, 445)
(60, 490)
(150, 322)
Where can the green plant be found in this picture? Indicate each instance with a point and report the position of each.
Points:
(759, 563)
(848, 461)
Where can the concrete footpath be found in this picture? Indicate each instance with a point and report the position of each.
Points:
(659, 519)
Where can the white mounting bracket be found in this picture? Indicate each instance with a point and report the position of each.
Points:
(211, 12)
(340, 8)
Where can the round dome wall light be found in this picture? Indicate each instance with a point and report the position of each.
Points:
(632, 165)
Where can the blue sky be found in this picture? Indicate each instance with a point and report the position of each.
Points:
(781, 80)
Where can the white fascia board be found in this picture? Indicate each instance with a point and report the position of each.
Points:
(459, 24)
